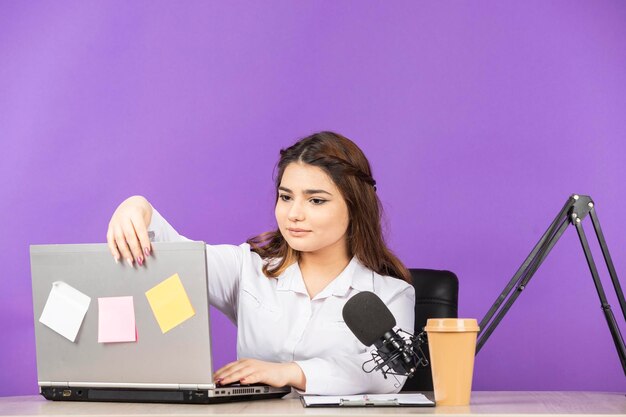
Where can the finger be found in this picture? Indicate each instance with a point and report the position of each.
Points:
(253, 378)
(236, 363)
(229, 373)
(133, 242)
(122, 246)
(112, 246)
(227, 369)
(142, 233)
(238, 375)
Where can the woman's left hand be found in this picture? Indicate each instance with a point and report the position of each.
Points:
(252, 371)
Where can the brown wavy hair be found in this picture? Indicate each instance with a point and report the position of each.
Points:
(349, 169)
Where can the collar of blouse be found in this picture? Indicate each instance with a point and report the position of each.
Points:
(354, 276)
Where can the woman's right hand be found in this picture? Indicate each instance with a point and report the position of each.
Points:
(127, 235)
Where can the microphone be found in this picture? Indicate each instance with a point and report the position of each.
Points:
(372, 323)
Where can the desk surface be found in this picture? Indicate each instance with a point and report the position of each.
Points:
(483, 403)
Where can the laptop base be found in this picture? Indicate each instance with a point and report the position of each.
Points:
(156, 396)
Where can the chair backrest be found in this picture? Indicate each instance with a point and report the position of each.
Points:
(436, 296)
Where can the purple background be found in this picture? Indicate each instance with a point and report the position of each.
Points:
(480, 119)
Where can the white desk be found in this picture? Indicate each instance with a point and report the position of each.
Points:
(483, 403)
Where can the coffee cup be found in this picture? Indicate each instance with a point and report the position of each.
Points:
(452, 346)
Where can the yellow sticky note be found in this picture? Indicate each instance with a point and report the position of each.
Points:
(170, 303)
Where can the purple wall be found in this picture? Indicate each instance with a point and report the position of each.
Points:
(480, 119)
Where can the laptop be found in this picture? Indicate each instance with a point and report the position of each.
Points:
(85, 306)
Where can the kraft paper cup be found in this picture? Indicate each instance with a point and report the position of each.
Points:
(452, 345)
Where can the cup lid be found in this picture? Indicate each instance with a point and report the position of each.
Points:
(451, 325)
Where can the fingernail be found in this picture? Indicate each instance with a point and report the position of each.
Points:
(117, 260)
(146, 251)
(140, 261)
(129, 262)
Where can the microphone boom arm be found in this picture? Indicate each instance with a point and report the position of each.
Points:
(573, 212)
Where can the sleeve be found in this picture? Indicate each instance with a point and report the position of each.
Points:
(343, 375)
(224, 265)
(162, 231)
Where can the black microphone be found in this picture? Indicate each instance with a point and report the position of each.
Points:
(372, 323)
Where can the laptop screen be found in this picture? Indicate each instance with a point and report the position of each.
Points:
(85, 306)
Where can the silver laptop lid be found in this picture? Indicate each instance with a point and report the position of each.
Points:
(181, 356)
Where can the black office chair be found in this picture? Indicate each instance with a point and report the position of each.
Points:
(436, 296)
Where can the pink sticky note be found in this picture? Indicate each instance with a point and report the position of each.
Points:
(116, 320)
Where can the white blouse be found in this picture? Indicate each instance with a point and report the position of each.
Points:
(277, 321)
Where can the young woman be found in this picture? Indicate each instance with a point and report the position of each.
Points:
(285, 289)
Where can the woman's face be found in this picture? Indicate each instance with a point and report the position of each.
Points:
(311, 213)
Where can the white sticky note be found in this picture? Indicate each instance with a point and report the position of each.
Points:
(65, 310)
